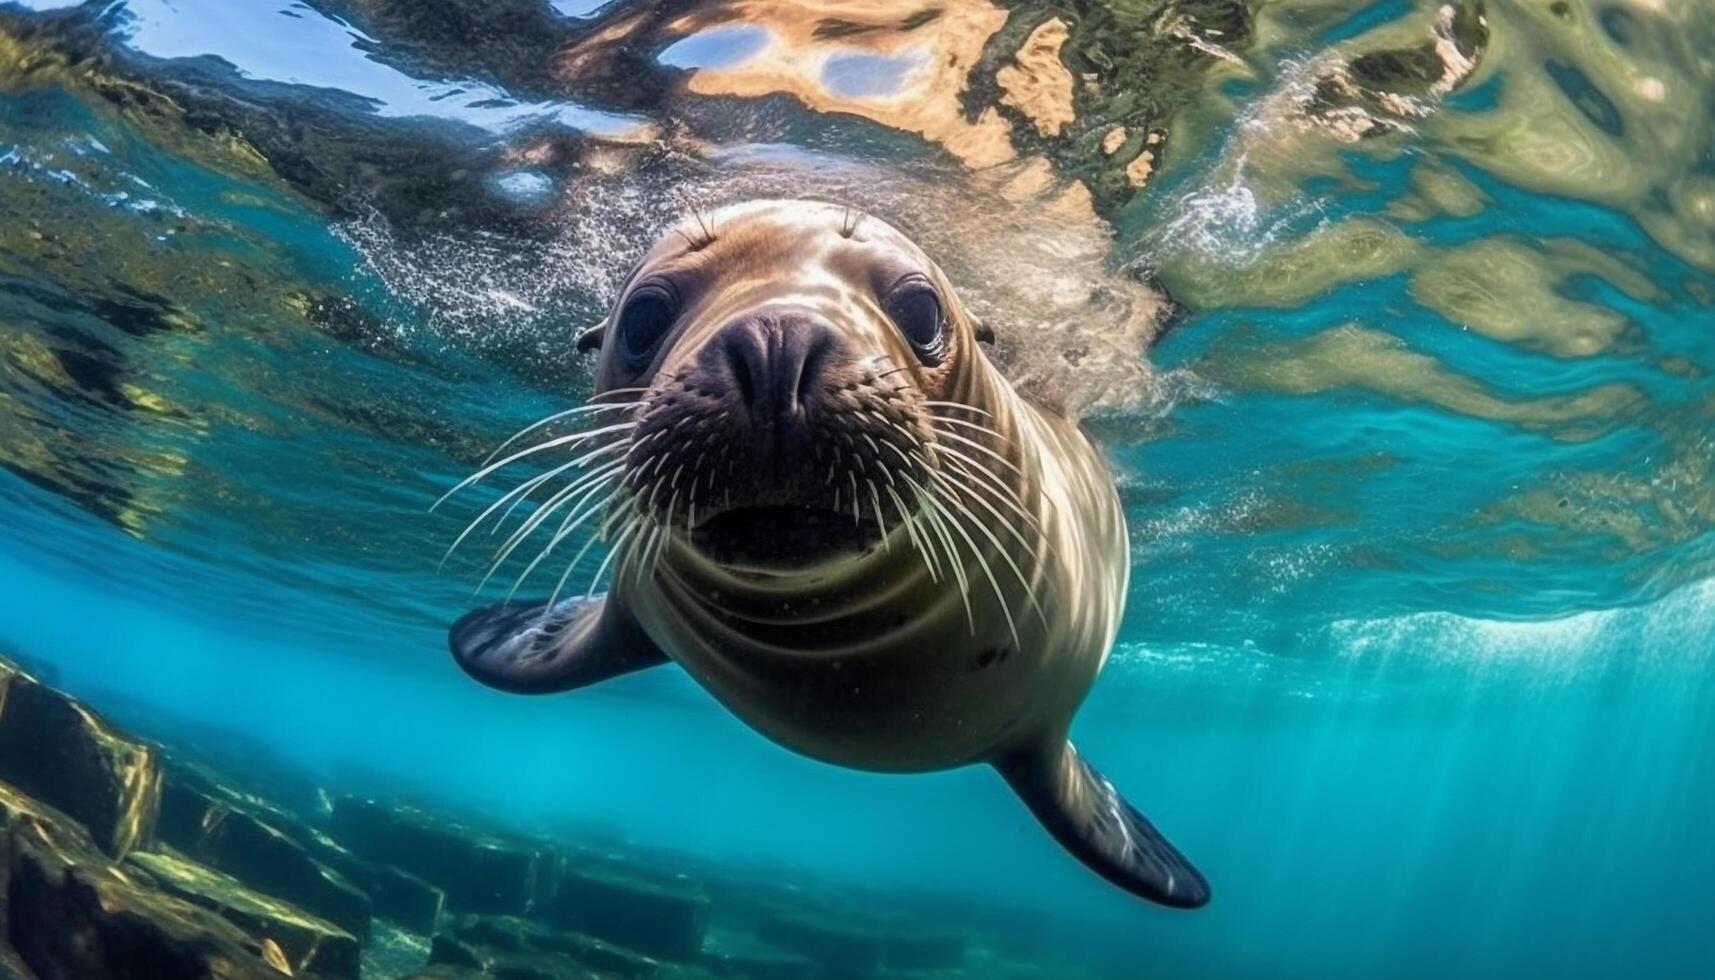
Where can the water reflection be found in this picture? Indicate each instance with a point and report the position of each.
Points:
(1459, 225)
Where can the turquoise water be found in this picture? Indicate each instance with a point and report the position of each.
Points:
(1421, 481)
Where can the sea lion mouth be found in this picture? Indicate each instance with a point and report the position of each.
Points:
(780, 538)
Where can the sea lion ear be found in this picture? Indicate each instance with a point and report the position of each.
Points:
(982, 332)
(531, 649)
(1088, 817)
(590, 338)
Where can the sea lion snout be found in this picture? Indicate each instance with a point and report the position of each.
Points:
(773, 441)
(774, 364)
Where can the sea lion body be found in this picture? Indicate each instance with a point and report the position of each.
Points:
(828, 506)
(876, 665)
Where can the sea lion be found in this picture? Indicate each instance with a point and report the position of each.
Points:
(827, 505)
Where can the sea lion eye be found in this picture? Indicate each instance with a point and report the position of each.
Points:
(915, 307)
(647, 317)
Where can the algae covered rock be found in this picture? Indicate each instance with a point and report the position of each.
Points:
(244, 845)
(495, 935)
(661, 917)
(195, 805)
(72, 914)
(518, 955)
(307, 942)
(479, 872)
(399, 896)
(57, 751)
(448, 951)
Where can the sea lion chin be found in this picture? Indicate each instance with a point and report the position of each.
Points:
(826, 504)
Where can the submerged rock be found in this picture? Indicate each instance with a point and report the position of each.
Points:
(448, 951)
(196, 800)
(72, 914)
(308, 943)
(250, 848)
(665, 918)
(838, 944)
(826, 942)
(744, 958)
(506, 934)
(479, 872)
(59, 752)
(399, 896)
(518, 957)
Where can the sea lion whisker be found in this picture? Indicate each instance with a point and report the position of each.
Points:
(934, 542)
(599, 474)
(1039, 548)
(911, 531)
(703, 224)
(577, 410)
(960, 406)
(937, 522)
(521, 491)
(655, 487)
(529, 487)
(637, 444)
(618, 391)
(591, 502)
(590, 483)
(915, 439)
(1023, 515)
(947, 454)
(579, 557)
(580, 489)
(627, 531)
(518, 537)
(666, 534)
(610, 466)
(907, 460)
(486, 471)
(880, 522)
(577, 438)
(948, 480)
(968, 424)
(857, 518)
(617, 517)
(636, 554)
(1006, 556)
(979, 447)
(950, 456)
(982, 559)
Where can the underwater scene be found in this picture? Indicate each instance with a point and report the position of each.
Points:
(830, 390)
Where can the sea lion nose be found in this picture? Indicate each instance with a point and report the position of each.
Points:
(773, 363)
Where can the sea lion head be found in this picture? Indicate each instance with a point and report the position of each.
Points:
(788, 362)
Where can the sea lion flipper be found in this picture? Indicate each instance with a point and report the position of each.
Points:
(1084, 812)
(531, 649)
